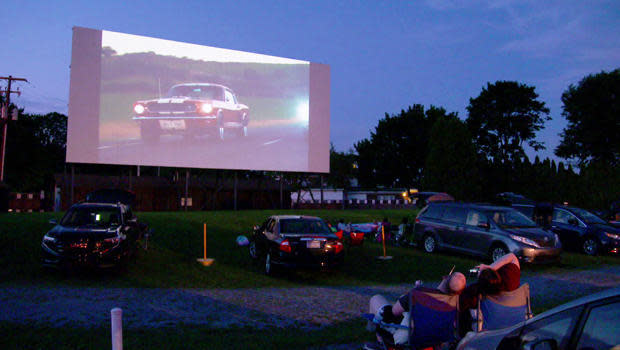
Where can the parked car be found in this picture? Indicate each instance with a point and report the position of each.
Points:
(579, 229)
(590, 322)
(484, 231)
(192, 109)
(94, 235)
(423, 198)
(291, 241)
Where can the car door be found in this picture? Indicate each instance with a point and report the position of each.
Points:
(568, 227)
(559, 326)
(231, 110)
(476, 238)
(452, 230)
(601, 329)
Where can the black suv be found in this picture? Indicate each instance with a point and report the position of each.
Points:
(96, 235)
(485, 231)
(582, 230)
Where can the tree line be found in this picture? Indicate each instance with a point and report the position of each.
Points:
(476, 158)
(425, 148)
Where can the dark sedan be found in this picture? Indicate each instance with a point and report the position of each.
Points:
(94, 235)
(290, 241)
(582, 230)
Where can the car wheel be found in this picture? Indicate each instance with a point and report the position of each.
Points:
(268, 265)
(253, 250)
(220, 124)
(590, 246)
(430, 244)
(496, 252)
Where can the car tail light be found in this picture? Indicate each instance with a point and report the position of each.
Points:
(338, 247)
(285, 246)
(112, 240)
(417, 221)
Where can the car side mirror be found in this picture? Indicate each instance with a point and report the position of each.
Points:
(543, 344)
(484, 225)
(53, 222)
(572, 221)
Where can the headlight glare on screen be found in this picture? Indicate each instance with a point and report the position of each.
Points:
(206, 108)
(139, 109)
(524, 240)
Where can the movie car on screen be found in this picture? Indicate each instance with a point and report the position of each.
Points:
(192, 109)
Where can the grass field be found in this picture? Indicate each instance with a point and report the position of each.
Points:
(170, 263)
(177, 242)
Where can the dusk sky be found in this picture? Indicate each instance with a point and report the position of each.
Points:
(384, 55)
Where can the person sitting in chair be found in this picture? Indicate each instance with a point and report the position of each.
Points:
(504, 275)
(451, 284)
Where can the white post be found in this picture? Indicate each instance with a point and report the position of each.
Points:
(117, 328)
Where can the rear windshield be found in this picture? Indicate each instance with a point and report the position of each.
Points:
(312, 226)
(510, 218)
(91, 216)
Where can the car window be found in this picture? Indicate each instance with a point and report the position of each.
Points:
(229, 97)
(208, 92)
(558, 326)
(91, 216)
(563, 216)
(304, 226)
(475, 217)
(270, 224)
(601, 330)
(455, 215)
(588, 217)
(510, 218)
(525, 210)
(432, 212)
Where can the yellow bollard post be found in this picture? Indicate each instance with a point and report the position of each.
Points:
(384, 257)
(205, 261)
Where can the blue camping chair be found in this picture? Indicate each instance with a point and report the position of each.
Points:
(504, 310)
(434, 320)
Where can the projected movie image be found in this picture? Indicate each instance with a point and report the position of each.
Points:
(176, 104)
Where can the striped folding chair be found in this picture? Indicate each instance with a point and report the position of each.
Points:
(504, 310)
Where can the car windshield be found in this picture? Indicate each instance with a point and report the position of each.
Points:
(92, 216)
(510, 218)
(206, 92)
(312, 226)
(588, 217)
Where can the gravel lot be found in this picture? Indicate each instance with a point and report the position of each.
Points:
(306, 307)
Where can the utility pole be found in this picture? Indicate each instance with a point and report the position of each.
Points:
(5, 118)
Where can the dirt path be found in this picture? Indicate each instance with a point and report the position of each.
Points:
(306, 307)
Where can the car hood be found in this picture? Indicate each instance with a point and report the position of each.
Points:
(606, 228)
(529, 232)
(80, 232)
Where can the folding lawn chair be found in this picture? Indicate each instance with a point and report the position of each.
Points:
(433, 321)
(504, 310)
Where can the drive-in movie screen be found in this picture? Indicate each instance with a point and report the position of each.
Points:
(137, 100)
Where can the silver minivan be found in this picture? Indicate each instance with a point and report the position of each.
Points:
(484, 231)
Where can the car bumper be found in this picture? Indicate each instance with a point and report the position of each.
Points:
(51, 258)
(610, 246)
(292, 261)
(539, 255)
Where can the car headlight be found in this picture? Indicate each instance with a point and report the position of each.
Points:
(612, 235)
(49, 239)
(139, 109)
(524, 240)
(206, 108)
